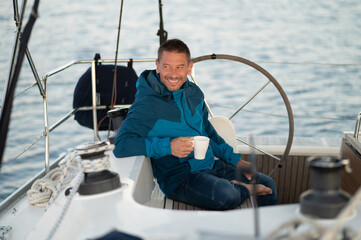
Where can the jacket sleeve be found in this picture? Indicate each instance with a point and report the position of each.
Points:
(219, 147)
(132, 138)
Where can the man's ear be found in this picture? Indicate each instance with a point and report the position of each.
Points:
(157, 64)
(190, 66)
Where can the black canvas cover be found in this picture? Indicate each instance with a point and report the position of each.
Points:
(126, 89)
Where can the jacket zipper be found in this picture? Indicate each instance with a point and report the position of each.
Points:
(184, 115)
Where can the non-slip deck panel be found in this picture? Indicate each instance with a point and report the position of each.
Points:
(166, 203)
(291, 179)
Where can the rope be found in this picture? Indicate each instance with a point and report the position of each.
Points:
(314, 63)
(316, 230)
(343, 216)
(94, 164)
(43, 189)
(4, 230)
(66, 207)
(289, 230)
(61, 180)
(21, 153)
(284, 116)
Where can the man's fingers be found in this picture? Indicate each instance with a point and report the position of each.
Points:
(182, 146)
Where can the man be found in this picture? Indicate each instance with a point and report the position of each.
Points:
(167, 112)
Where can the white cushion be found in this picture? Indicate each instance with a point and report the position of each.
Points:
(225, 129)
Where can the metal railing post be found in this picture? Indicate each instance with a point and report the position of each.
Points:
(94, 101)
(46, 127)
(357, 128)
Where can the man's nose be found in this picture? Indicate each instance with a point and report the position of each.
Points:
(173, 72)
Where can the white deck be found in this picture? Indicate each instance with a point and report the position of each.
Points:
(123, 209)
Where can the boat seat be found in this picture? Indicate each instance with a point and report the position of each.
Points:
(226, 130)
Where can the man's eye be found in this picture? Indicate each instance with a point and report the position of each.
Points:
(166, 67)
(180, 67)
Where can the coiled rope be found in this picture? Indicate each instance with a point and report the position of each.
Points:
(43, 189)
(87, 166)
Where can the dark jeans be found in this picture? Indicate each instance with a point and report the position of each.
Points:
(212, 189)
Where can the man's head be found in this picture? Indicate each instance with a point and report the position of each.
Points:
(174, 63)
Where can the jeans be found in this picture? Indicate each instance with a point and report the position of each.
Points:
(212, 189)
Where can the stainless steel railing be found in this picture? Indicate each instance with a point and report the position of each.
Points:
(94, 106)
(357, 128)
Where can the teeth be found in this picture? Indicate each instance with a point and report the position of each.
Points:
(173, 81)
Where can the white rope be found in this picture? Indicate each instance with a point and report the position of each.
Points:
(87, 166)
(95, 165)
(66, 207)
(317, 230)
(61, 181)
(43, 189)
(4, 230)
(343, 217)
(289, 230)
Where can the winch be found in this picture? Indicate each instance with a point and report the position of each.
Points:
(326, 198)
(95, 164)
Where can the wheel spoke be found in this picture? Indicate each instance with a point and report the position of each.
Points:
(250, 99)
(258, 149)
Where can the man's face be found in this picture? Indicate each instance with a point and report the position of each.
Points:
(173, 69)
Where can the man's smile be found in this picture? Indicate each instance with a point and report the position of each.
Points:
(172, 80)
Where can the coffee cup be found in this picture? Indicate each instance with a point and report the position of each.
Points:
(200, 145)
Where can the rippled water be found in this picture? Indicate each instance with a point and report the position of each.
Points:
(286, 38)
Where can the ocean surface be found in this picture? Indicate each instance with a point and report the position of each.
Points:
(312, 48)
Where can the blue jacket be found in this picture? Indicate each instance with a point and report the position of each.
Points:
(156, 117)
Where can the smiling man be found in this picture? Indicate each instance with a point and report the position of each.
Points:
(173, 68)
(167, 113)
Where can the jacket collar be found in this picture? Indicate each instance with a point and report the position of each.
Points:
(149, 81)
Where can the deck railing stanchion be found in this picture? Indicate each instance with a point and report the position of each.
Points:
(357, 128)
(46, 127)
(94, 101)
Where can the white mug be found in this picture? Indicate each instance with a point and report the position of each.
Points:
(200, 145)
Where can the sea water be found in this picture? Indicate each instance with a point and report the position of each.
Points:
(312, 48)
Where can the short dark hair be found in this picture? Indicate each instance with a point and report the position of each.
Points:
(174, 45)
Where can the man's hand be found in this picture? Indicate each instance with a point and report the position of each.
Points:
(246, 168)
(181, 147)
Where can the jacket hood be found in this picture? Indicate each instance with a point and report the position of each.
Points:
(149, 84)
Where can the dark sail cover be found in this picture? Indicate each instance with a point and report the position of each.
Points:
(126, 89)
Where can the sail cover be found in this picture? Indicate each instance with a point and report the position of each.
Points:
(126, 89)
